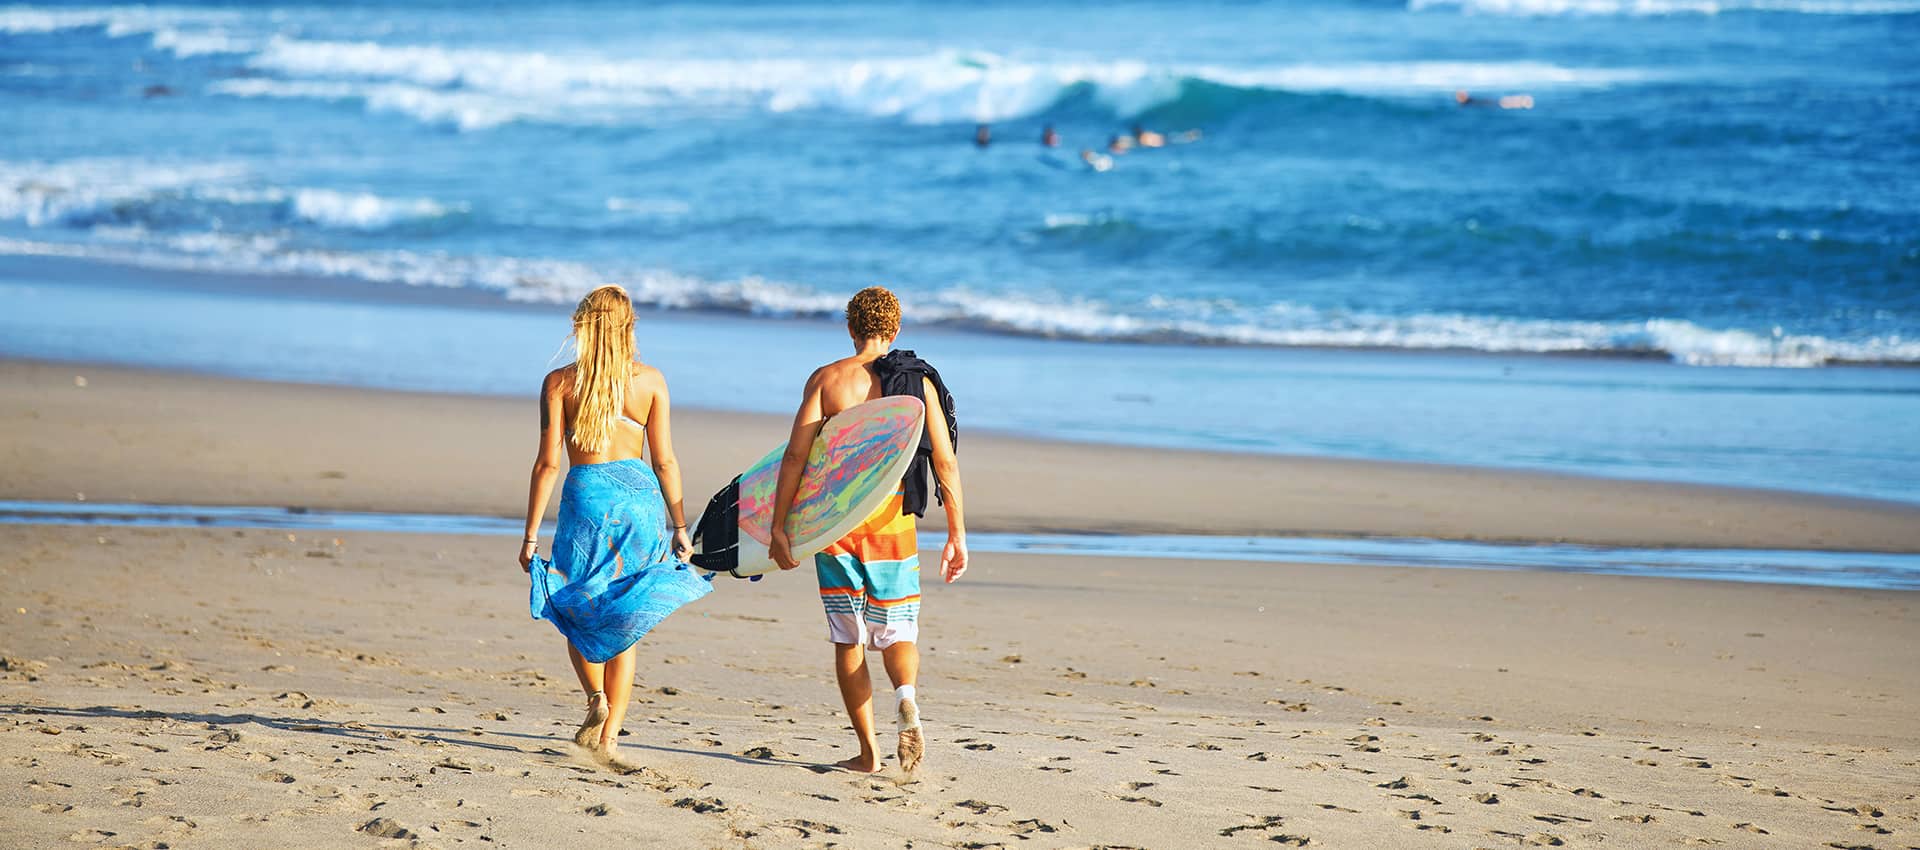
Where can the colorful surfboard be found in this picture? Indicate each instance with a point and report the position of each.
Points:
(856, 464)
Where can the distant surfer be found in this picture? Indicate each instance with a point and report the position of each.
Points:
(1119, 144)
(1511, 101)
(982, 136)
(870, 580)
(1147, 138)
(1049, 138)
(618, 548)
(1096, 160)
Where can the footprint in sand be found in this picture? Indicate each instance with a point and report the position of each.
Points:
(766, 753)
(700, 805)
(1030, 826)
(978, 807)
(387, 828)
(1264, 823)
(806, 828)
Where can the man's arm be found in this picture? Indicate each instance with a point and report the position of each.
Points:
(946, 470)
(793, 464)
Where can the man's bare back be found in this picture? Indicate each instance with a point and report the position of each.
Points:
(845, 383)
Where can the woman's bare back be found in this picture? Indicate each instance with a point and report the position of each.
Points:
(629, 432)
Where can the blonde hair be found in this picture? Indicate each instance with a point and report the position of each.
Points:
(603, 365)
(873, 312)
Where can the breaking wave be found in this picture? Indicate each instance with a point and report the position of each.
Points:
(1158, 320)
(477, 89)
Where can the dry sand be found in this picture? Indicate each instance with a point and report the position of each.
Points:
(222, 689)
(239, 689)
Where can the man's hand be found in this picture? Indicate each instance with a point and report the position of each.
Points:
(781, 549)
(953, 559)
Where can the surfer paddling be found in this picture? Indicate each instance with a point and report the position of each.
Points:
(617, 568)
(870, 579)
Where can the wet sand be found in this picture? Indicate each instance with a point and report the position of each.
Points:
(139, 436)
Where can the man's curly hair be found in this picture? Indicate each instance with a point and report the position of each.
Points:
(873, 312)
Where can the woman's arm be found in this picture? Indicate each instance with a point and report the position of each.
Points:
(546, 464)
(793, 464)
(946, 470)
(666, 467)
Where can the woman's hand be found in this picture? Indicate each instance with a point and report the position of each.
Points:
(528, 549)
(682, 544)
(781, 550)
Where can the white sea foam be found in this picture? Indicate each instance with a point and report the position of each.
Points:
(44, 193)
(475, 89)
(1670, 7)
(49, 194)
(181, 31)
(361, 210)
(1158, 320)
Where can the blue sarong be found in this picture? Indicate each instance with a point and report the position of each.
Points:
(613, 576)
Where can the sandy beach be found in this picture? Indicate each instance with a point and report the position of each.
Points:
(232, 689)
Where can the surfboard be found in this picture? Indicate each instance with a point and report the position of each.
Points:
(854, 466)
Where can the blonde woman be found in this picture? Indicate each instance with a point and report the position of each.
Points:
(618, 566)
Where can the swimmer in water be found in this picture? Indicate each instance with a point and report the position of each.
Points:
(1511, 101)
(982, 136)
(1096, 160)
(1147, 138)
(1049, 138)
(1119, 145)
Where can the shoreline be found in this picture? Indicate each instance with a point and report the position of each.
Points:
(197, 439)
(348, 288)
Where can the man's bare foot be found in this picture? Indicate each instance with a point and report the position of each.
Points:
(912, 743)
(589, 732)
(858, 764)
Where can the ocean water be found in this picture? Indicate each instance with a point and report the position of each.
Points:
(1715, 182)
(1714, 199)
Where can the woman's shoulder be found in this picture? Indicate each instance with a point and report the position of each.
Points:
(556, 380)
(647, 375)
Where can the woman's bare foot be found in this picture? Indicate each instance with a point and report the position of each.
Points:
(912, 744)
(860, 764)
(589, 734)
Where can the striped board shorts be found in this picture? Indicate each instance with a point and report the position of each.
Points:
(870, 580)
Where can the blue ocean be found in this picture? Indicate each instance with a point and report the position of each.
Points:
(1661, 238)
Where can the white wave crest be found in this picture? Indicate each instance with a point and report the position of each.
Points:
(475, 89)
(1545, 8)
(44, 193)
(361, 210)
(1156, 320)
(181, 31)
(48, 194)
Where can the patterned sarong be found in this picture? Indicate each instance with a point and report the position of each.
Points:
(613, 576)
